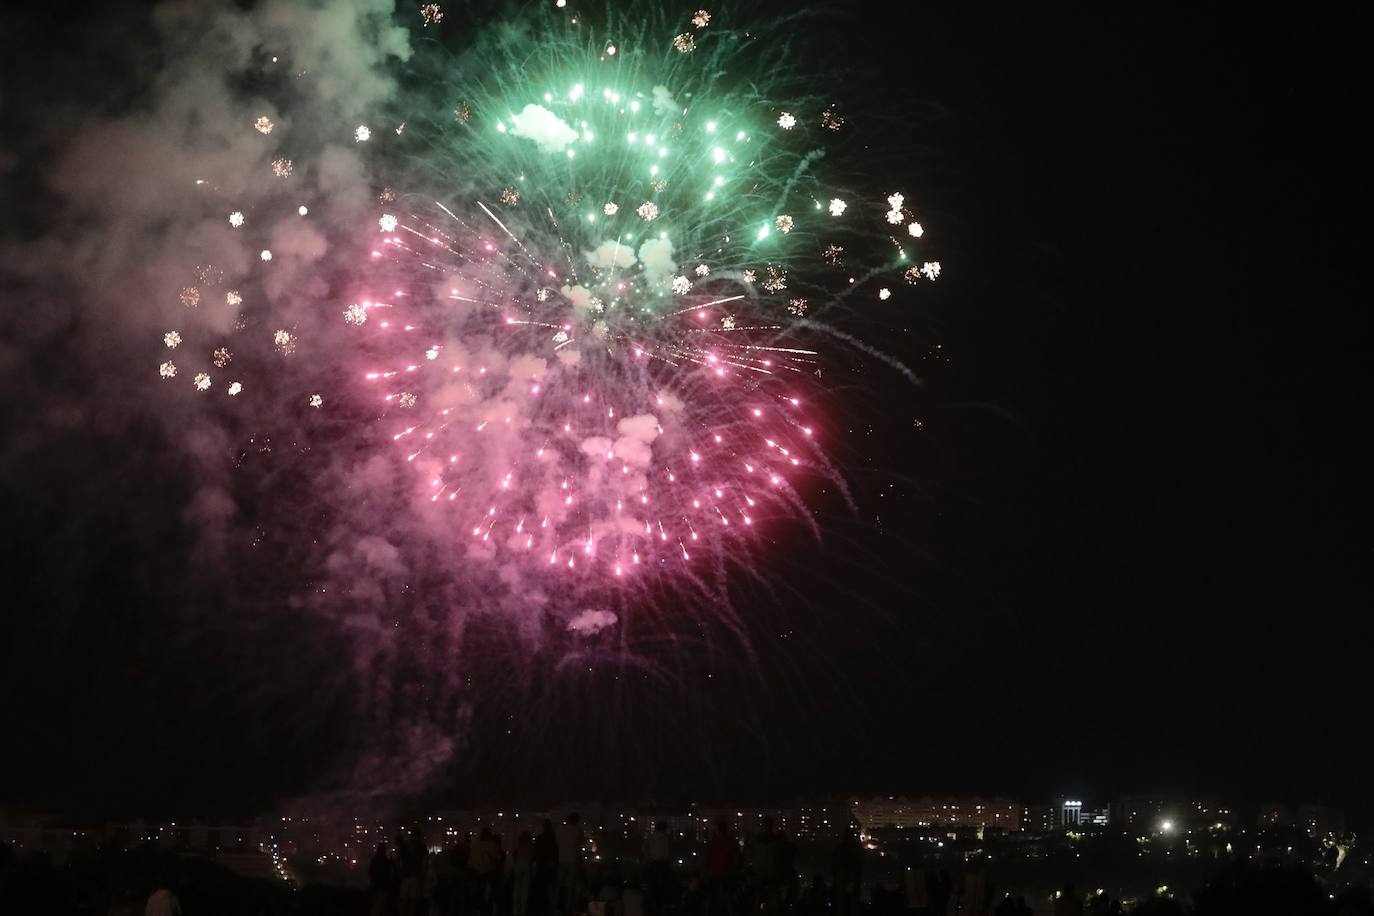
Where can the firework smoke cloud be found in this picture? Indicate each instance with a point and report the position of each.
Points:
(520, 342)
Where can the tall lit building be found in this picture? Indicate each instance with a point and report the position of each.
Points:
(1149, 813)
(1070, 811)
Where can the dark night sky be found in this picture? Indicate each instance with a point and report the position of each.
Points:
(1127, 551)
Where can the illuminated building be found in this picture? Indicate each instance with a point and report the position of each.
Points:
(1147, 813)
(902, 813)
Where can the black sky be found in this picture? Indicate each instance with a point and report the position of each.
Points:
(1126, 550)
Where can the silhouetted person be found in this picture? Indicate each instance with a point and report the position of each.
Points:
(381, 875)
(1067, 902)
(975, 892)
(483, 864)
(917, 894)
(815, 901)
(545, 870)
(719, 863)
(500, 887)
(1013, 907)
(522, 874)
(462, 878)
(763, 861)
(163, 901)
(785, 869)
(569, 862)
(846, 869)
(658, 868)
(411, 849)
(939, 889)
(123, 903)
(442, 894)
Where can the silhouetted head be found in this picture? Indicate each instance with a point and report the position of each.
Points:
(661, 827)
(767, 824)
(547, 826)
(573, 817)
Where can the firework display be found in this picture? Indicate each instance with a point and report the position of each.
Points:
(590, 321)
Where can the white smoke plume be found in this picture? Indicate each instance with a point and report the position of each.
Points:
(537, 123)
